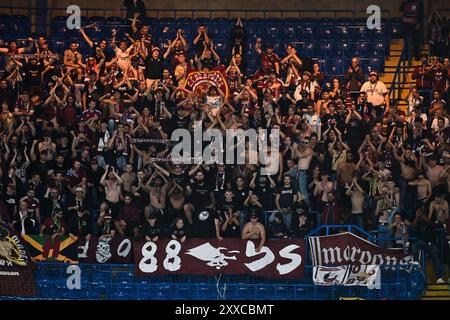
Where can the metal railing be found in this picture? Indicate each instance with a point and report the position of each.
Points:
(400, 74)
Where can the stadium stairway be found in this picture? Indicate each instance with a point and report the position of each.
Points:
(390, 67)
(437, 292)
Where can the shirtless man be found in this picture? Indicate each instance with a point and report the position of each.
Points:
(446, 174)
(129, 178)
(423, 189)
(434, 171)
(254, 230)
(177, 201)
(304, 154)
(438, 211)
(346, 172)
(408, 165)
(357, 197)
(157, 186)
(112, 189)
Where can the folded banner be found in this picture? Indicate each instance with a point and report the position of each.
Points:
(105, 249)
(278, 259)
(44, 248)
(368, 276)
(16, 267)
(349, 249)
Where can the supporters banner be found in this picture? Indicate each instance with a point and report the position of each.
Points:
(16, 274)
(277, 259)
(199, 82)
(349, 249)
(105, 249)
(44, 248)
(351, 275)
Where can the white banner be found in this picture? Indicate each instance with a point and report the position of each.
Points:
(350, 275)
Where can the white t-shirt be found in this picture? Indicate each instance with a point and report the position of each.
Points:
(375, 92)
(123, 61)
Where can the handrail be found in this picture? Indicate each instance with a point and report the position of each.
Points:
(395, 89)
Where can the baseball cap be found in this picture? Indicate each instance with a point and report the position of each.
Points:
(373, 73)
(79, 189)
(155, 48)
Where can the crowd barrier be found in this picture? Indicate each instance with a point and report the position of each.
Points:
(118, 282)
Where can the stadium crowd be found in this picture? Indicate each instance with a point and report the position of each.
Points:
(85, 143)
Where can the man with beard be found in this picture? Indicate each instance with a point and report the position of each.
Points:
(199, 192)
(264, 190)
(229, 216)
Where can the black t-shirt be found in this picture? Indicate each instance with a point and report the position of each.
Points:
(200, 194)
(179, 233)
(265, 195)
(204, 223)
(154, 67)
(176, 122)
(286, 196)
(149, 230)
(107, 227)
(240, 196)
(182, 179)
(33, 74)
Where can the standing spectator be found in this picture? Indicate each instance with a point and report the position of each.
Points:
(427, 242)
(133, 7)
(354, 77)
(254, 230)
(377, 93)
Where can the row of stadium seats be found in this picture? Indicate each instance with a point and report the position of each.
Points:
(15, 26)
(301, 32)
(271, 28)
(290, 29)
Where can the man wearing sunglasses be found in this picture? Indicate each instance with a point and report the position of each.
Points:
(254, 230)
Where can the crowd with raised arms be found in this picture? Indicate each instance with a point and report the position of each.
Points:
(85, 142)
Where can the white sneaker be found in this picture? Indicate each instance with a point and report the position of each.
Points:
(440, 281)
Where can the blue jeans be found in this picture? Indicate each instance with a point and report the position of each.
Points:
(384, 232)
(303, 184)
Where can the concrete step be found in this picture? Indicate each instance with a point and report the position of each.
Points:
(435, 298)
(437, 293)
(438, 287)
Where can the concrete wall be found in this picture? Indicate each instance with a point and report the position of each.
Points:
(111, 6)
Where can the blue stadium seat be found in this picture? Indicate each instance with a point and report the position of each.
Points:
(328, 49)
(220, 46)
(361, 49)
(116, 23)
(256, 27)
(152, 24)
(327, 32)
(308, 21)
(343, 32)
(344, 49)
(308, 33)
(334, 66)
(101, 24)
(167, 28)
(273, 29)
(20, 26)
(202, 21)
(291, 29)
(187, 25)
(344, 22)
(219, 28)
(359, 32)
(59, 26)
(309, 49)
(5, 23)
